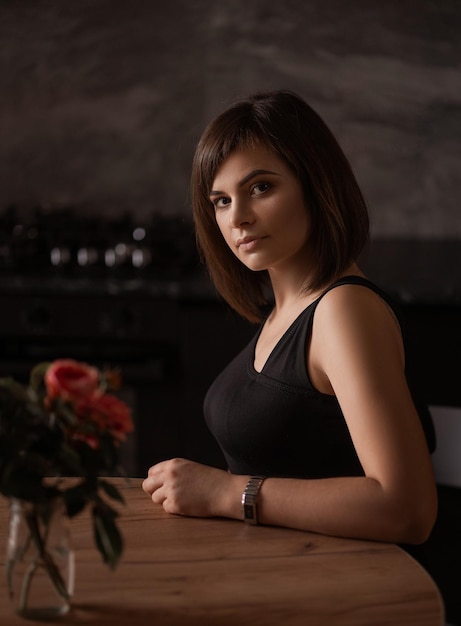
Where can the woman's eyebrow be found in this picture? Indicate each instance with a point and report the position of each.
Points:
(245, 179)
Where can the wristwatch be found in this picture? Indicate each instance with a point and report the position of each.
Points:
(249, 497)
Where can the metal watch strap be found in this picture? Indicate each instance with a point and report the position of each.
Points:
(249, 496)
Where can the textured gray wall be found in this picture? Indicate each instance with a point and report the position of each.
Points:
(102, 101)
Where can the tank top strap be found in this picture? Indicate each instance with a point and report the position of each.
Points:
(365, 282)
(358, 280)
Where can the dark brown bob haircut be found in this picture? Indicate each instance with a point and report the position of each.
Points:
(287, 125)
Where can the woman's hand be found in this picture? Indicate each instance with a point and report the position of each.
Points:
(188, 488)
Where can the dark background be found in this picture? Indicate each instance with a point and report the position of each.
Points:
(101, 105)
(102, 101)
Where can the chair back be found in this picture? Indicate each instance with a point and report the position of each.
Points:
(446, 459)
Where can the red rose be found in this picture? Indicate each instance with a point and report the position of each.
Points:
(107, 412)
(78, 384)
(69, 379)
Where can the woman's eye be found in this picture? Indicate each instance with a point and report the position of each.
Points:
(219, 203)
(260, 188)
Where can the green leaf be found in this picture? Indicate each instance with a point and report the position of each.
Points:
(65, 412)
(109, 452)
(69, 462)
(107, 536)
(14, 390)
(37, 375)
(75, 499)
(111, 490)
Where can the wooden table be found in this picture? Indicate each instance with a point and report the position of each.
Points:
(215, 572)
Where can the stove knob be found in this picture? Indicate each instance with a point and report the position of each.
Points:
(60, 256)
(87, 256)
(141, 257)
(116, 256)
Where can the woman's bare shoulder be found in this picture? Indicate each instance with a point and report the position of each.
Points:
(356, 321)
(356, 302)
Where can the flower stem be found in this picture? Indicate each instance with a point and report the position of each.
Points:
(43, 556)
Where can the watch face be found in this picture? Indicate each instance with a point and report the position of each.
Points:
(249, 499)
(249, 511)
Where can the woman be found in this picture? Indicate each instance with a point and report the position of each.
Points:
(315, 417)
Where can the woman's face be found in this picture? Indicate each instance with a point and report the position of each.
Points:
(260, 209)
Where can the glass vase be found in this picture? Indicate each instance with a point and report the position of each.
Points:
(40, 564)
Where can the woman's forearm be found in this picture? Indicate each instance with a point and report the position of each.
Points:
(355, 507)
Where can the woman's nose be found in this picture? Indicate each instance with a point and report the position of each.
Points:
(240, 214)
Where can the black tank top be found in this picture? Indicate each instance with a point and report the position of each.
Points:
(274, 422)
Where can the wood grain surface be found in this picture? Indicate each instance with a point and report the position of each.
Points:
(186, 571)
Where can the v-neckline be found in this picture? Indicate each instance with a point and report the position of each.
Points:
(348, 279)
(278, 342)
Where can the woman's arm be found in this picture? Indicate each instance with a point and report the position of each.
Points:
(356, 352)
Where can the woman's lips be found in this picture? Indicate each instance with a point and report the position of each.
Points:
(246, 244)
